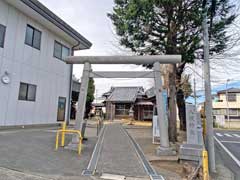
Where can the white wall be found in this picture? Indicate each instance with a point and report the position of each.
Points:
(29, 65)
(223, 104)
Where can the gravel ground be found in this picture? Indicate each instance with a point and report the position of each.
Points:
(143, 136)
(171, 170)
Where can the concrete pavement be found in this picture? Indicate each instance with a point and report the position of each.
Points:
(118, 155)
(29, 154)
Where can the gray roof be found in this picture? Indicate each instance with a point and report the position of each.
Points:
(98, 104)
(124, 94)
(76, 85)
(230, 90)
(50, 16)
(150, 92)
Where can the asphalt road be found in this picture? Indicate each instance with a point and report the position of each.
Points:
(227, 144)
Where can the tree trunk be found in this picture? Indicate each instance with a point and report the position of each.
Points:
(172, 122)
(88, 109)
(180, 98)
(181, 109)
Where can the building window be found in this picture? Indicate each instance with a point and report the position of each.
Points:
(33, 37)
(217, 99)
(147, 112)
(233, 112)
(219, 111)
(231, 97)
(2, 35)
(27, 92)
(215, 112)
(122, 109)
(223, 111)
(60, 51)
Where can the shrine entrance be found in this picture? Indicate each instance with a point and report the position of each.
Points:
(154, 60)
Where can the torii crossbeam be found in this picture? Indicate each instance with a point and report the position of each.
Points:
(154, 60)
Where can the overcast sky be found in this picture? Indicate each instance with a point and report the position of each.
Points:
(89, 17)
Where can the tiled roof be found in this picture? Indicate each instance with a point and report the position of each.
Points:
(150, 92)
(230, 90)
(76, 86)
(124, 94)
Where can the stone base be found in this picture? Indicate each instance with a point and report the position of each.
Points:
(192, 152)
(163, 151)
(72, 146)
(87, 173)
(173, 158)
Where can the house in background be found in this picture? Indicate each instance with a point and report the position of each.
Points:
(35, 81)
(228, 101)
(119, 101)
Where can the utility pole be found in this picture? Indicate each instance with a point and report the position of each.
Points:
(96, 93)
(194, 81)
(228, 118)
(208, 97)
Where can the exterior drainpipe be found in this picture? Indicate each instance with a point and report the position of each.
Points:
(70, 86)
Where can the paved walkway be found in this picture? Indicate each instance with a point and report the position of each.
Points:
(118, 155)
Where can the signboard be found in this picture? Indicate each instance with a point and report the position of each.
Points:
(199, 128)
(155, 121)
(194, 127)
(156, 130)
(191, 124)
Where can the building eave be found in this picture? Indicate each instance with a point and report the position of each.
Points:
(49, 16)
(230, 90)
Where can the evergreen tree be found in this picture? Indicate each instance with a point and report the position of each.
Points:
(155, 27)
(90, 96)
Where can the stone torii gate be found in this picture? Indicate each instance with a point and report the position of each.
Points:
(155, 60)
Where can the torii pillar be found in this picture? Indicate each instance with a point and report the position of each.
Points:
(82, 100)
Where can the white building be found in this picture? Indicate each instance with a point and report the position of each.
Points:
(227, 105)
(35, 82)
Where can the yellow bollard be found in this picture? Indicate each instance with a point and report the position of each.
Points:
(56, 145)
(80, 146)
(205, 165)
(63, 133)
(68, 131)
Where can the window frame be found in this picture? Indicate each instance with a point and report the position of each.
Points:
(231, 97)
(62, 46)
(56, 42)
(4, 35)
(27, 92)
(147, 112)
(233, 111)
(219, 111)
(122, 107)
(33, 37)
